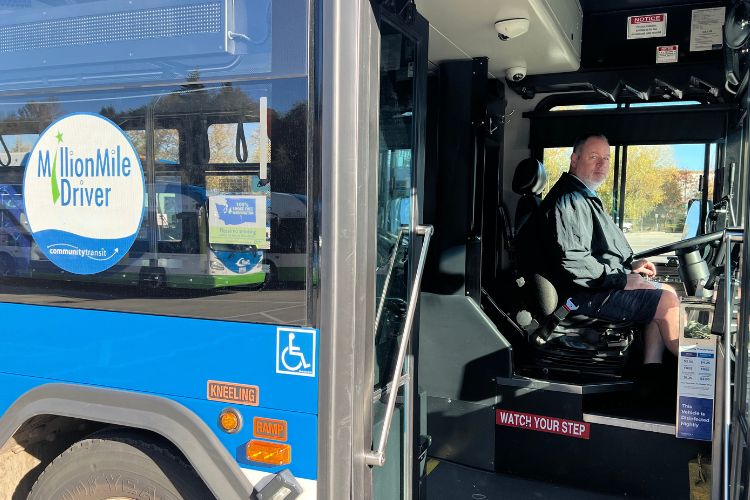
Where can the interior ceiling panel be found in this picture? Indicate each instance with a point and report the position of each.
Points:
(590, 6)
(467, 29)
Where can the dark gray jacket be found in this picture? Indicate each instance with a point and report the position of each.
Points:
(580, 245)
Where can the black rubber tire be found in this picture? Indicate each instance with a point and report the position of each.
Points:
(272, 278)
(109, 465)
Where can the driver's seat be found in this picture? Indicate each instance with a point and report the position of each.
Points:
(560, 341)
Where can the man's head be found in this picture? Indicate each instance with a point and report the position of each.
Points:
(590, 160)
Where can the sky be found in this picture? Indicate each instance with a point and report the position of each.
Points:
(690, 156)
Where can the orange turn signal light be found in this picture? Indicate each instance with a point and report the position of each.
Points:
(268, 453)
(230, 420)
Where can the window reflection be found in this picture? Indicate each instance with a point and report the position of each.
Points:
(223, 233)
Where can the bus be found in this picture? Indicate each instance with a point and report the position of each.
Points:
(286, 257)
(327, 197)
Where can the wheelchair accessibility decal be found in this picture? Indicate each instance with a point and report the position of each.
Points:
(295, 351)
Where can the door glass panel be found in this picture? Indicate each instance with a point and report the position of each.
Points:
(395, 172)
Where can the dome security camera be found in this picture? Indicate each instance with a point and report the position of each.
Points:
(511, 28)
(516, 73)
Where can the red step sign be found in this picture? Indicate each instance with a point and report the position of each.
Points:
(570, 428)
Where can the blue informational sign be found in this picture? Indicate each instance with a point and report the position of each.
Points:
(84, 193)
(237, 211)
(695, 418)
(695, 388)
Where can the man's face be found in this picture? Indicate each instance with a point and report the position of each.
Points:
(591, 165)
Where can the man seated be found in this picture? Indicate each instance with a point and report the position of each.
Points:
(588, 258)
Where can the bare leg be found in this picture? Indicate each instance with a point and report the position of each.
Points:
(653, 345)
(663, 331)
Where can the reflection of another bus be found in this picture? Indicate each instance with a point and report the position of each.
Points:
(15, 240)
(175, 253)
(178, 253)
(286, 259)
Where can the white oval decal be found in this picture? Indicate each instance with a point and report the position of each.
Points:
(84, 193)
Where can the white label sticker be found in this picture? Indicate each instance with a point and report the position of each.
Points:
(296, 351)
(648, 26)
(666, 54)
(706, 29)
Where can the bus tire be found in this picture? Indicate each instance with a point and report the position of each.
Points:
(111, 465)
(272, 277)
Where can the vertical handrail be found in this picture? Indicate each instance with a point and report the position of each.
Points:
(730, 236)
(376, 457)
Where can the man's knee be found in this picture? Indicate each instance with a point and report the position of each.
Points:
(668, 302)
(668, 288)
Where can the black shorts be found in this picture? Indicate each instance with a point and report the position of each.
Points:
(638, 306)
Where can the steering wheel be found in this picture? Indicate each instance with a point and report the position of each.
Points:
(686, 246)
(694, 243)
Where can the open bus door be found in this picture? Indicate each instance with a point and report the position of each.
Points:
(400, 244)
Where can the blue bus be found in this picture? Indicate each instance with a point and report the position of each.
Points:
(267, 249)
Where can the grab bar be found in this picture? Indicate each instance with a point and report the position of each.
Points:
(730, 236)
(376, 457)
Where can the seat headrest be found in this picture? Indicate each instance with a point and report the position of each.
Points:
(530, 177)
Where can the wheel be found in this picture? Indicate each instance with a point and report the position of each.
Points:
(272, 278)
(117, 466)
(688, 244)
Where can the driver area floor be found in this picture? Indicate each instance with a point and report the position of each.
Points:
(449, 481)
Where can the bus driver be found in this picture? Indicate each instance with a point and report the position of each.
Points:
(590, 260)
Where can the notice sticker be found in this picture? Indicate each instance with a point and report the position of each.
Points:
(666, 54)
(553, 425)
(648, 26)
(706, 28)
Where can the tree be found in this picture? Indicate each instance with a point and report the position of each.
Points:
(556, 161)
(645, 177)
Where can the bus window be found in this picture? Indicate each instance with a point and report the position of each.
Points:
(660, 181)
(207, 217)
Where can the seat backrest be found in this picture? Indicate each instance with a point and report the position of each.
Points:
(529, 180)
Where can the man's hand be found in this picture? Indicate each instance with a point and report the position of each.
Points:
(643, 266)
(636, 282)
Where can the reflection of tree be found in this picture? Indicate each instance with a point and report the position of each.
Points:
(31, 118)
(289, 150)
(43, 112)
(21, 146)
(166, 144)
